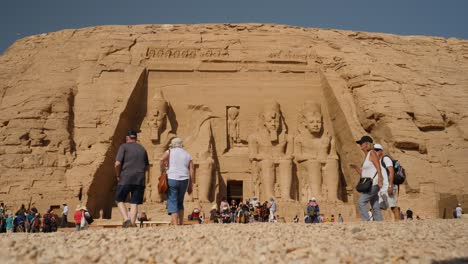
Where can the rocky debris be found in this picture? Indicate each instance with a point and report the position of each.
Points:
(422, 241)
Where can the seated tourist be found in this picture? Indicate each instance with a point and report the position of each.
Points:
(214, 214)
(226, 214)
(312, 211)
(195, 216)
(296, 219)
(142, 217)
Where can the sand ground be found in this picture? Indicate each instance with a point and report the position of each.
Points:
(423, 241)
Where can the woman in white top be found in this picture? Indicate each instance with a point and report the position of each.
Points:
(370, 169)
(179, 175)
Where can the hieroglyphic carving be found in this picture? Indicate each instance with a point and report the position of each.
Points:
(186, 53)
(269, 146)
(288, 54)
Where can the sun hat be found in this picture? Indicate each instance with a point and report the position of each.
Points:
(214, 207)
(365, 139)
(132, 133)
(378, 147)
(196, 210)
(177, 143)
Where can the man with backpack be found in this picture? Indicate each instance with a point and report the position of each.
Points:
(49, 222)
(388, 171)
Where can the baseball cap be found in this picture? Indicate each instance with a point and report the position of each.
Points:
(378, 147)
(132, 133)
(365, 139)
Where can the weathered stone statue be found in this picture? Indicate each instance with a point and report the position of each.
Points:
(315, 150)
(161, 135)
(160, 127)
(200, 145)
(233, 126)
(269, 146)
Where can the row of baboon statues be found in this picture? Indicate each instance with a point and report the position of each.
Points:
(272, 151)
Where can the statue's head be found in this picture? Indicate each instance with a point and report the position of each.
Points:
(233, 112)
(311, 117)
(271, 117)
(159, 115)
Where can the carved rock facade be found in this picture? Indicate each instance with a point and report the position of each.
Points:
(265, 110)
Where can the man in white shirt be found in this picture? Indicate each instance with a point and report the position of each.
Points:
(389, 190)
(458, 211)
(272, 206)
(64, 216)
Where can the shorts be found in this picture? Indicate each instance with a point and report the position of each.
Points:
(136, 193)
(392, 199)
(175, 195)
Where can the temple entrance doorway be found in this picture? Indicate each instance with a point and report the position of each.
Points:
(235, 191)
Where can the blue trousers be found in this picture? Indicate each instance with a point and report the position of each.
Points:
(373, 198)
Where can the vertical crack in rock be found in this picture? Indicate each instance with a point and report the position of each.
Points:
(71, 120)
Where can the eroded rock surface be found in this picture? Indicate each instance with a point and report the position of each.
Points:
(68, 97)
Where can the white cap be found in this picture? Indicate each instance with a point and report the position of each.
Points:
(378, 147)
(313, 199)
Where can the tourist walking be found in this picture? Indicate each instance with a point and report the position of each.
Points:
(340, 218)
(36, 223)
(64, 222)
(180, 176)
(458, 211)
(81, 218)
(9, 223)
(272, 207)
(389, 189)
(131, 165)
(49, 224)
(370, 169)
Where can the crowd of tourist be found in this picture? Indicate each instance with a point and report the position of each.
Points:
(242, 212)
(29, 220)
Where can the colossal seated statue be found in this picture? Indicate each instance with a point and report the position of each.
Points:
(314, 149)
(161, 134)
(270, 145)
(200, 145)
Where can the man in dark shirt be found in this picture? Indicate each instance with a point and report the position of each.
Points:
(131, 165)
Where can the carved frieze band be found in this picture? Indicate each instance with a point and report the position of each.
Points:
(186, 53)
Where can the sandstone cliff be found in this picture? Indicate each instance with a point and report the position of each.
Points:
(68, 97)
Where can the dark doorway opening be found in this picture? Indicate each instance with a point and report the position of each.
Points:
(234, 191)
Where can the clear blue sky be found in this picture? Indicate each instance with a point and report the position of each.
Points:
(445, 18)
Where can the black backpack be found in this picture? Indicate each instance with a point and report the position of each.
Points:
(400, 174)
